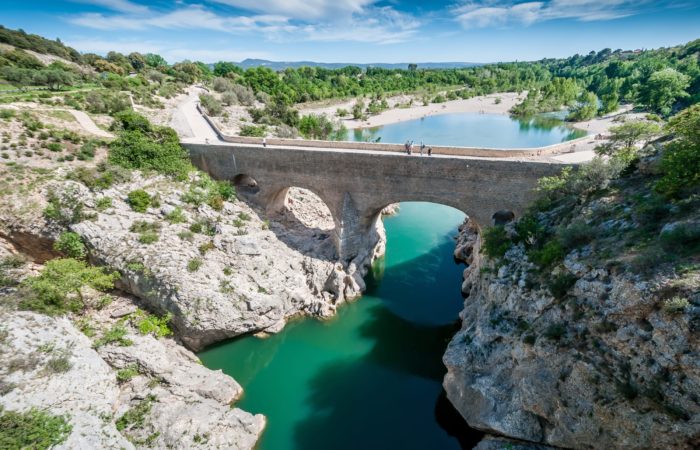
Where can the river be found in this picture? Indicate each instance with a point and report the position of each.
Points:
(370, 378)
(473, 130)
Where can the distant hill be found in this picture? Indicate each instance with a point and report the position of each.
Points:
(281, 65)
(38, 44)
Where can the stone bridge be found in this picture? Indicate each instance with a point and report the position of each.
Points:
(357, 184)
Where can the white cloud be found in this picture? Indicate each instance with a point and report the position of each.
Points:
(124, 6)
(191, 17)
(382, 25)
(303, 9)
(486, 13)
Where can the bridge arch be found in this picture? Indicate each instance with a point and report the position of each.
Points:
(357, 185)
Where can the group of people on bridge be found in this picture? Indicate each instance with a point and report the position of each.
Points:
(409, 148)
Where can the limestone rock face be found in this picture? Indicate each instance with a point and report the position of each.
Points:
(236, 274)
(189, 406)
(87, 391)
(607, 368)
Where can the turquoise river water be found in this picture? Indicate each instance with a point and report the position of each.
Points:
(370, 378)
(473, 130)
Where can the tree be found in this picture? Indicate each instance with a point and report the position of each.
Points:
(625, 136)
(680, 161)
(224, 69)
(138, 62)
(155, 60)
(315, 126)
(412, 67)
(662, 89)
(586, 109)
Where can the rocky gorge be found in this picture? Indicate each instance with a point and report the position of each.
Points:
(595, 349)
(212, 270)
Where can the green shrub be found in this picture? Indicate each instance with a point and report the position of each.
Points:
(139, 200)
(7, 114)
(139, 145)
(33, 429)
(127, 373)
(194, 264)
(496, 242)
(143, 226)
(253, 130)
(115, 335)
(577, 234)
(683, 239)
(204, 226)
(555, 331)
(207, 246)
(54, 147)
(70, 244)
(552, 252)
(150, 324)
(186, 235)
(149, 237)
(102, 177)
(559, 285)
(211, 104)
(103, 203)
(676, 305)
(57, 289)
(58, 364)
(135, 418)
(87, 151)
(176, 216)
(680, 161)
(65, 208)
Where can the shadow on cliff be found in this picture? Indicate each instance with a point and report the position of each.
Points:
(309, 241)
(352, 400)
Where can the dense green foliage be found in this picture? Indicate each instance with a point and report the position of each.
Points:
(139, 200)
(58, 288)
(70, 244)
(681, 161)
(140, 145)
(33, 429)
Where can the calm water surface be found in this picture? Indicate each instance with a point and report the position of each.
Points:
(473, 130)
(371, 377)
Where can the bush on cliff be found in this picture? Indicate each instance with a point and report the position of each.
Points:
(140, 145)
(681, 160)
(33, 429)
(58, 288)
(139, 200)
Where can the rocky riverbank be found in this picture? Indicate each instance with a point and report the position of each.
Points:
(215, 269)
(595, 350)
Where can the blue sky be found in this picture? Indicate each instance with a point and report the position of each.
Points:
(357, 30)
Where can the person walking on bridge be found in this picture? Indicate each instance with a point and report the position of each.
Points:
(430, 151)
(264, 142)
(422, 147)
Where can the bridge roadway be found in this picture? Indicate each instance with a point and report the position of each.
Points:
(357, 184)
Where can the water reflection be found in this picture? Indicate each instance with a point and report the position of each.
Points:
(473, 130)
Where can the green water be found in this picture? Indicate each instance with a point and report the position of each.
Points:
(473, 130)
(370, 378)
